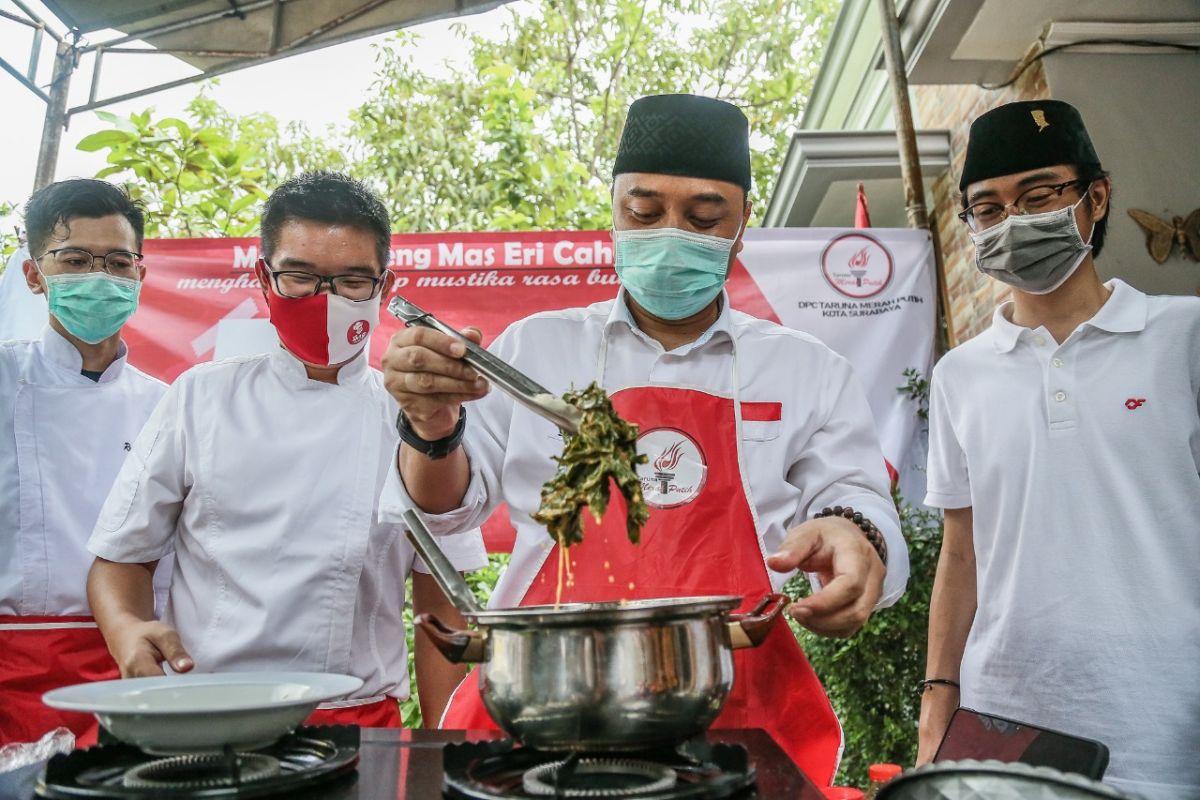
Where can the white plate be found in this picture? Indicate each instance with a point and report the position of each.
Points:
(203, 713)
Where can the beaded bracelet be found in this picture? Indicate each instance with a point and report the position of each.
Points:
(865, 525)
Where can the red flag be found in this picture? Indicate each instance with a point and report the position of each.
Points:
(862, 217)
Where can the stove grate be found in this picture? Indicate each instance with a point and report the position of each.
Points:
(188, 773)
(307, 757)
(599, 778)
(696, 770)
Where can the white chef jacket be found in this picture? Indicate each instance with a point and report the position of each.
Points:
(63, 437)
(1081, 463)
(822, 452)
(264, 484)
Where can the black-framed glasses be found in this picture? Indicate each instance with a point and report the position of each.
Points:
(294, 283)
(1034, 200)
(76, 261)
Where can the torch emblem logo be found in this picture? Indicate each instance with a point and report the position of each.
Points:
(857, 265)
(675, 471)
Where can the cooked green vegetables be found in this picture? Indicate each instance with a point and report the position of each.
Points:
(605, 447)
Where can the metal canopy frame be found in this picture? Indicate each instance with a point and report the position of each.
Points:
(140, 31)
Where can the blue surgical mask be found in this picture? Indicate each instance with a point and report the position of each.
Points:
(92, 306)
(672, 273)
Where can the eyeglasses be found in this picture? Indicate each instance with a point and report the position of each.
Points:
(293, 283)
(1034, 200)
(72, 260)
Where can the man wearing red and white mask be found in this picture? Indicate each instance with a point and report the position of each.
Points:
(756, 430)
(261, 474)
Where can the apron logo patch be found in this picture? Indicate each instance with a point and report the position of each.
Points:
(675, 470)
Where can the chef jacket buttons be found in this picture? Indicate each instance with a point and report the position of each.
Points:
(1058, 362)
(1060, 396)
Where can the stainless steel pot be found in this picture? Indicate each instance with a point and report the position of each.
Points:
(607, 676)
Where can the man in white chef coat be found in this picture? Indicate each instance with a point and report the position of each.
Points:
(70, 407)
(262, 473)
(755, 434)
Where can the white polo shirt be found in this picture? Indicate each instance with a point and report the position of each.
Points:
(1081, 463)
(821, 451)
(264, 484)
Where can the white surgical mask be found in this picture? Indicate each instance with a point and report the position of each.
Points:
(1034, 253)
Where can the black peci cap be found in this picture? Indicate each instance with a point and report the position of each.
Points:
(1029, 134)
(685, 134)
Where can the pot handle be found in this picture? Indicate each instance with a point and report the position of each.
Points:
(456, 646)
(751, 629)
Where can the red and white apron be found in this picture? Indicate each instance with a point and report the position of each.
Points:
(374, 712)
(38, 654)
(65, 466)
(701, 539)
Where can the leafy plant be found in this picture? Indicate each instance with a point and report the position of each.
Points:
(205, 175)
(522, 138)
(482, 582)
(916, 387)
(10, 239)
(871, 678)
(525, 137)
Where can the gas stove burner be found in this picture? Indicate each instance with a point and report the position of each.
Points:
(695, 770)
(598, 777)
(307, 757)
(188, 773)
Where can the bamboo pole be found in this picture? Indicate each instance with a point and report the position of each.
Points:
(910, 165)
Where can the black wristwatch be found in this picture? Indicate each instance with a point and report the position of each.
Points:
(436, 449)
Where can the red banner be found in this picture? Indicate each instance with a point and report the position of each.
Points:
(487, 280)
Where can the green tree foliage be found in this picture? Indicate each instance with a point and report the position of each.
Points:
(205, 175)
(872, 677)
(482, 582)
(525, 136)
(521, 137)
(9, 241)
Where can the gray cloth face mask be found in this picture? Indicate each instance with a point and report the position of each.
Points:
(1034, 253)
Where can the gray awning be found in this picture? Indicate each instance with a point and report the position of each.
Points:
(214, 37)
(220, 36)
(203, 32)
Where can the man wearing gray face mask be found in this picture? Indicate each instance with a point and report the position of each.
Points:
(1065, 450)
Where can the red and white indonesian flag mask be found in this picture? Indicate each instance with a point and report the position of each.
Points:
(324, 328)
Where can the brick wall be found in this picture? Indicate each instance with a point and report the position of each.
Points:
(973, 297)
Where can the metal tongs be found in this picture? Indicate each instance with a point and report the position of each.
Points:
(523, 389)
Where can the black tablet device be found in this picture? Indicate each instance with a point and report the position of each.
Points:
(982, 736)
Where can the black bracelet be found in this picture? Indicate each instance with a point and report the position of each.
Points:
(925, 684)
(873, 534)
(437, 449)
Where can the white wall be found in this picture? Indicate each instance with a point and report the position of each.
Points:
(1143, 114)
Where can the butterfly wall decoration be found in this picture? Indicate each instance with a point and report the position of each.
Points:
(1162, 235)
